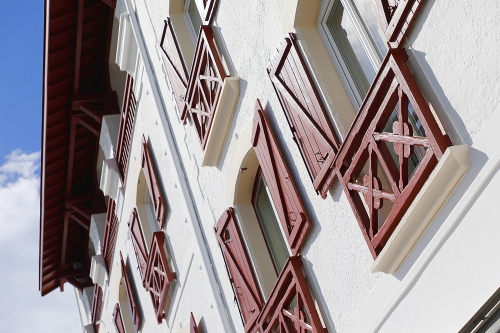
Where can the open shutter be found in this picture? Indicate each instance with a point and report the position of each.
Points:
(174, 64)
(110, 233)
(159, 277)
(193, 328)
(290, 307)
(396, 17)
(209, 7)
(284, 194)
(97, 303)
(305, 113)
(238, 267)
(117, 319)
(153, 183)
(125, 132)
(136, 317)
(140, 247)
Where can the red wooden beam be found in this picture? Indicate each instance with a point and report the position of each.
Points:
(110, 3)
(78, 52)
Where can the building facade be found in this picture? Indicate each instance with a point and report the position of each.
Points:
(272, 166)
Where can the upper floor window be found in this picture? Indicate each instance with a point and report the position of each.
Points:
(357, 41)
(193, 17)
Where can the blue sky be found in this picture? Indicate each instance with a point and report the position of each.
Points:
(21, 53)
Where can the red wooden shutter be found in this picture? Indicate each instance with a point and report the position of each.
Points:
(127, 118)
(158, 274)
(209, 7)
(174, 64)
(370, 173)
(136, 316)
(155, 190)
(140, 247)
(118, 320)
(110, 233)
(193, 328)
(205, 84)
(96, 312)
(284, 194)
(395, 19)
(305, 113)
(290, 307)
(238, 267)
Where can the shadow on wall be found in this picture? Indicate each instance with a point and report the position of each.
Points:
(479, 160)
(429, 85)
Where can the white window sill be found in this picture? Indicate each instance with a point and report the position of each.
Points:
(222, 121)
(436, 190)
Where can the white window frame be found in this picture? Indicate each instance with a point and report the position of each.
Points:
(341, 66)
(189, 22)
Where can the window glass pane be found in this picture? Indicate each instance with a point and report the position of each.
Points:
(371, 25)
(270, 226)
(150, 208)
(351, 49)
(194, 14)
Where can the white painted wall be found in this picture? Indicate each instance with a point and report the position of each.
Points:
(454, 267)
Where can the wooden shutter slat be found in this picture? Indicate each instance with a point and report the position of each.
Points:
(117, 319)
(174, 64)
(136, 316)
(306, 115)
(140, 248)
(155, 190)
(284, 194)
(238, 267)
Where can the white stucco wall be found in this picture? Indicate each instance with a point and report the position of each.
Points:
(448, 275)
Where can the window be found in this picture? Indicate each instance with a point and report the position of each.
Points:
(357, 41)
(193, 17)
(264, 265)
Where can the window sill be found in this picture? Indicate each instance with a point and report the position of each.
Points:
(222, 121)
(436, 190)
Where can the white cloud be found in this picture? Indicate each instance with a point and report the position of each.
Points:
(22, 308)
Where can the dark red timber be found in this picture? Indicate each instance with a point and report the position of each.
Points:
(117, 319)
(372, 175)
(193, 328)
(141, 250)
(174, 64)
(209, 8)
(290, 307)
(76, 95)
(205, 84)
(159, 277)
(305, 112)
(154, 185)
(238, 267)
(126, 129)
(134, 305)
(284, 194)
(97, 303)
(395, 18)
(110, 233)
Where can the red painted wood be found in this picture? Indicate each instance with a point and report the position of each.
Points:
(159, 277)
(140, 247)
(193, 328)
(174, 64)
(153, 183)
(284, 194)
(386, 178)
(96, 312)
(209, 8)
(396, 20)
(238, 267)
(117, 319)
(306, 115)
(110, 233)
(290, 307)
(134, 304)
(205, 84)
(125, 132)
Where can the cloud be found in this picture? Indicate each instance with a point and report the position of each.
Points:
(22, 308)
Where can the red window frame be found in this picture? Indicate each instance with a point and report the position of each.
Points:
(118, 320)
(140, 248)
(366, 143)
(159, 277)
(209, 8)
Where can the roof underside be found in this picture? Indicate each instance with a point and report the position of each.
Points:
(76, 95)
